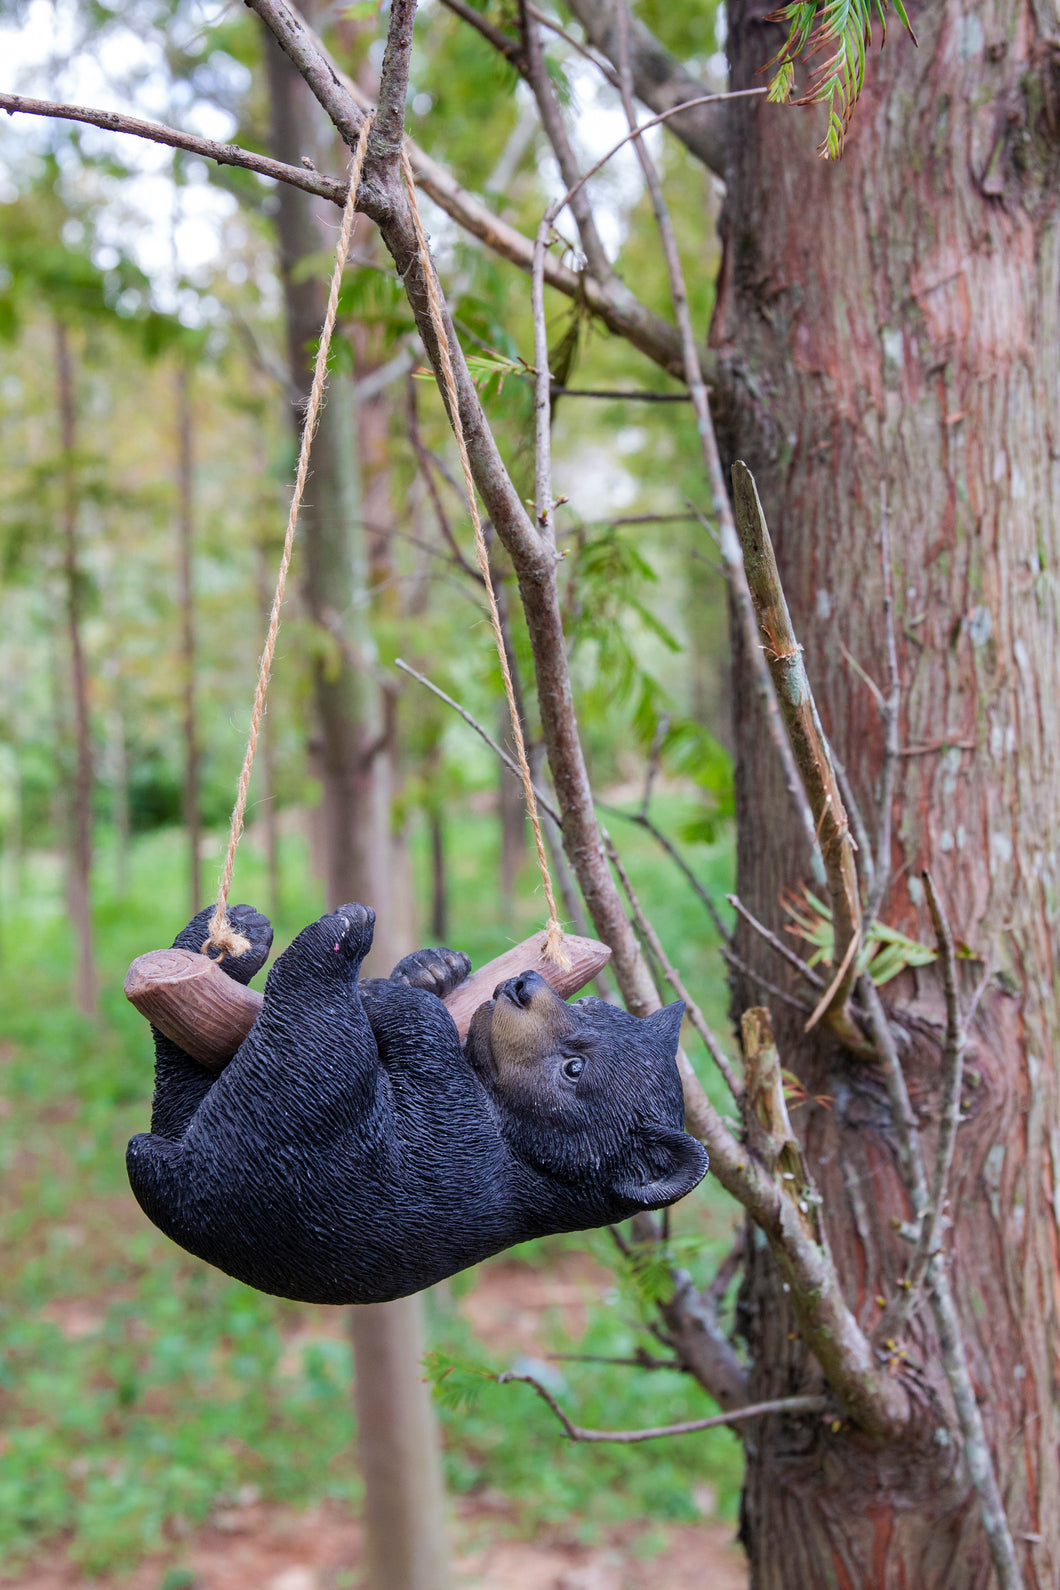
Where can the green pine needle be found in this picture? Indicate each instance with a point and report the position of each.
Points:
(845, 28)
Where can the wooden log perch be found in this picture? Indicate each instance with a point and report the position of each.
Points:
(189, 998)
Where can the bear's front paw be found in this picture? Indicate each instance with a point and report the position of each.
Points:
(438, 971)
(244, 919)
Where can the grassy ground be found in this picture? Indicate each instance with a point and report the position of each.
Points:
(140, 1390)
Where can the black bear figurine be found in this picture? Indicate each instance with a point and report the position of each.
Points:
(353, 1152)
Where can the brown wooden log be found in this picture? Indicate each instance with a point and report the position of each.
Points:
(190, 999)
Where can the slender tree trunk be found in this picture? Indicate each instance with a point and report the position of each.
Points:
(397, 1441)
(512, 802)
(186, 585)
(940, 227)
(119, 786)
(79, 803)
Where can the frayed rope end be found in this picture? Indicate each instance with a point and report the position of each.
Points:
(554, 950)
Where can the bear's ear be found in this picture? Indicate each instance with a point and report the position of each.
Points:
(665, 1166)
(667, 1024)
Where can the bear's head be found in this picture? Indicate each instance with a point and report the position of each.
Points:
(586, 1092)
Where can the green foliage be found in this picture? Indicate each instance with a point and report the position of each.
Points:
(813, 27)
(884, 954)
(142, 1390)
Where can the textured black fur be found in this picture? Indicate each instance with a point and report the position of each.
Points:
(351, 1152)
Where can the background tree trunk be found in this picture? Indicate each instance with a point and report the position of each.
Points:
(396, 1433)
(79, 798)
(940, 227)
(185, 531)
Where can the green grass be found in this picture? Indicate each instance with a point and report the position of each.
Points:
(140, 1389)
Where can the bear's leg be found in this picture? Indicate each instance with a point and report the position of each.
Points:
(312, 1032)
(181, 1083)
(437, 971)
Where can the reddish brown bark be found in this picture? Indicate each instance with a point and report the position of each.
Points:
(888, 329)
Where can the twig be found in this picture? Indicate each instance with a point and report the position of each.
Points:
(866, 864)
(728, 1268)
(799, 710)
(646, 126)
(543, 504)
(752, 1410)
(673, 977)
(537, 75)
(423, 462)
(910, 1156)
(651, 772)
(676, 857)
(943, 1307)
(500, 41)
(509, 761)
(640, 1360)
(624, 395)
(896, 1317)
(771, 939)
(602, 67)
(731, 958)
(890, 709)
(309, 181)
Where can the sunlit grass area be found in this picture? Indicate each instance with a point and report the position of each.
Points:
(141, 1390)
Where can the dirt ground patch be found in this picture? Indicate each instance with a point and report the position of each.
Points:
(259, 1548)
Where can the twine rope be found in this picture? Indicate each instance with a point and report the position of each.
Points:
(222, 935)
(554, 940)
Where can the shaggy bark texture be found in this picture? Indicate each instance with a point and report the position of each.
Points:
(888, 329)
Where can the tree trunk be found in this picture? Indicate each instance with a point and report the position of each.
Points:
(940, 227)
(185, 528)
(79, 801)
(397, 1438)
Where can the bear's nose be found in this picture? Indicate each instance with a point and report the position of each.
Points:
(520, 990)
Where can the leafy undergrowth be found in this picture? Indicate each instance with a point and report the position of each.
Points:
(141, 1391)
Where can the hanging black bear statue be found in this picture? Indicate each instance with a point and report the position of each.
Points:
(353, 1152)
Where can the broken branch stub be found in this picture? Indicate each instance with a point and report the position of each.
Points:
(809, 748)
(189, 998)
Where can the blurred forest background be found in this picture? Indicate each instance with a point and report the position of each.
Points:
(153, 1409)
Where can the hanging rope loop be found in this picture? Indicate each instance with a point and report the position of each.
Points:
(222, 936)
(554, 942)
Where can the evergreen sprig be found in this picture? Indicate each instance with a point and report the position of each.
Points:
(813, 27)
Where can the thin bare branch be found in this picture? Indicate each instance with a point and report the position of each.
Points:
(676, 857)
(423, 463)
(640, 1360)
(928, 1244)
(730, 957)
(866, 864)
(809, 748)
(624, 395)
(509, 761)
(728, 543)
(910, 1155)
(544, 508)
(753, 1410)
(890, 711)
(673, 977)
(537, 76)
(576, 44)
(661, 81)
(512, 52)
(333, 188)
(774, 943)
(653, 121)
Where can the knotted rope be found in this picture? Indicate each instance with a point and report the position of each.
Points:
(222, 935)
(554, 942)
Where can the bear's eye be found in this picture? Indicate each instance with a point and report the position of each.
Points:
(574, 1068)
